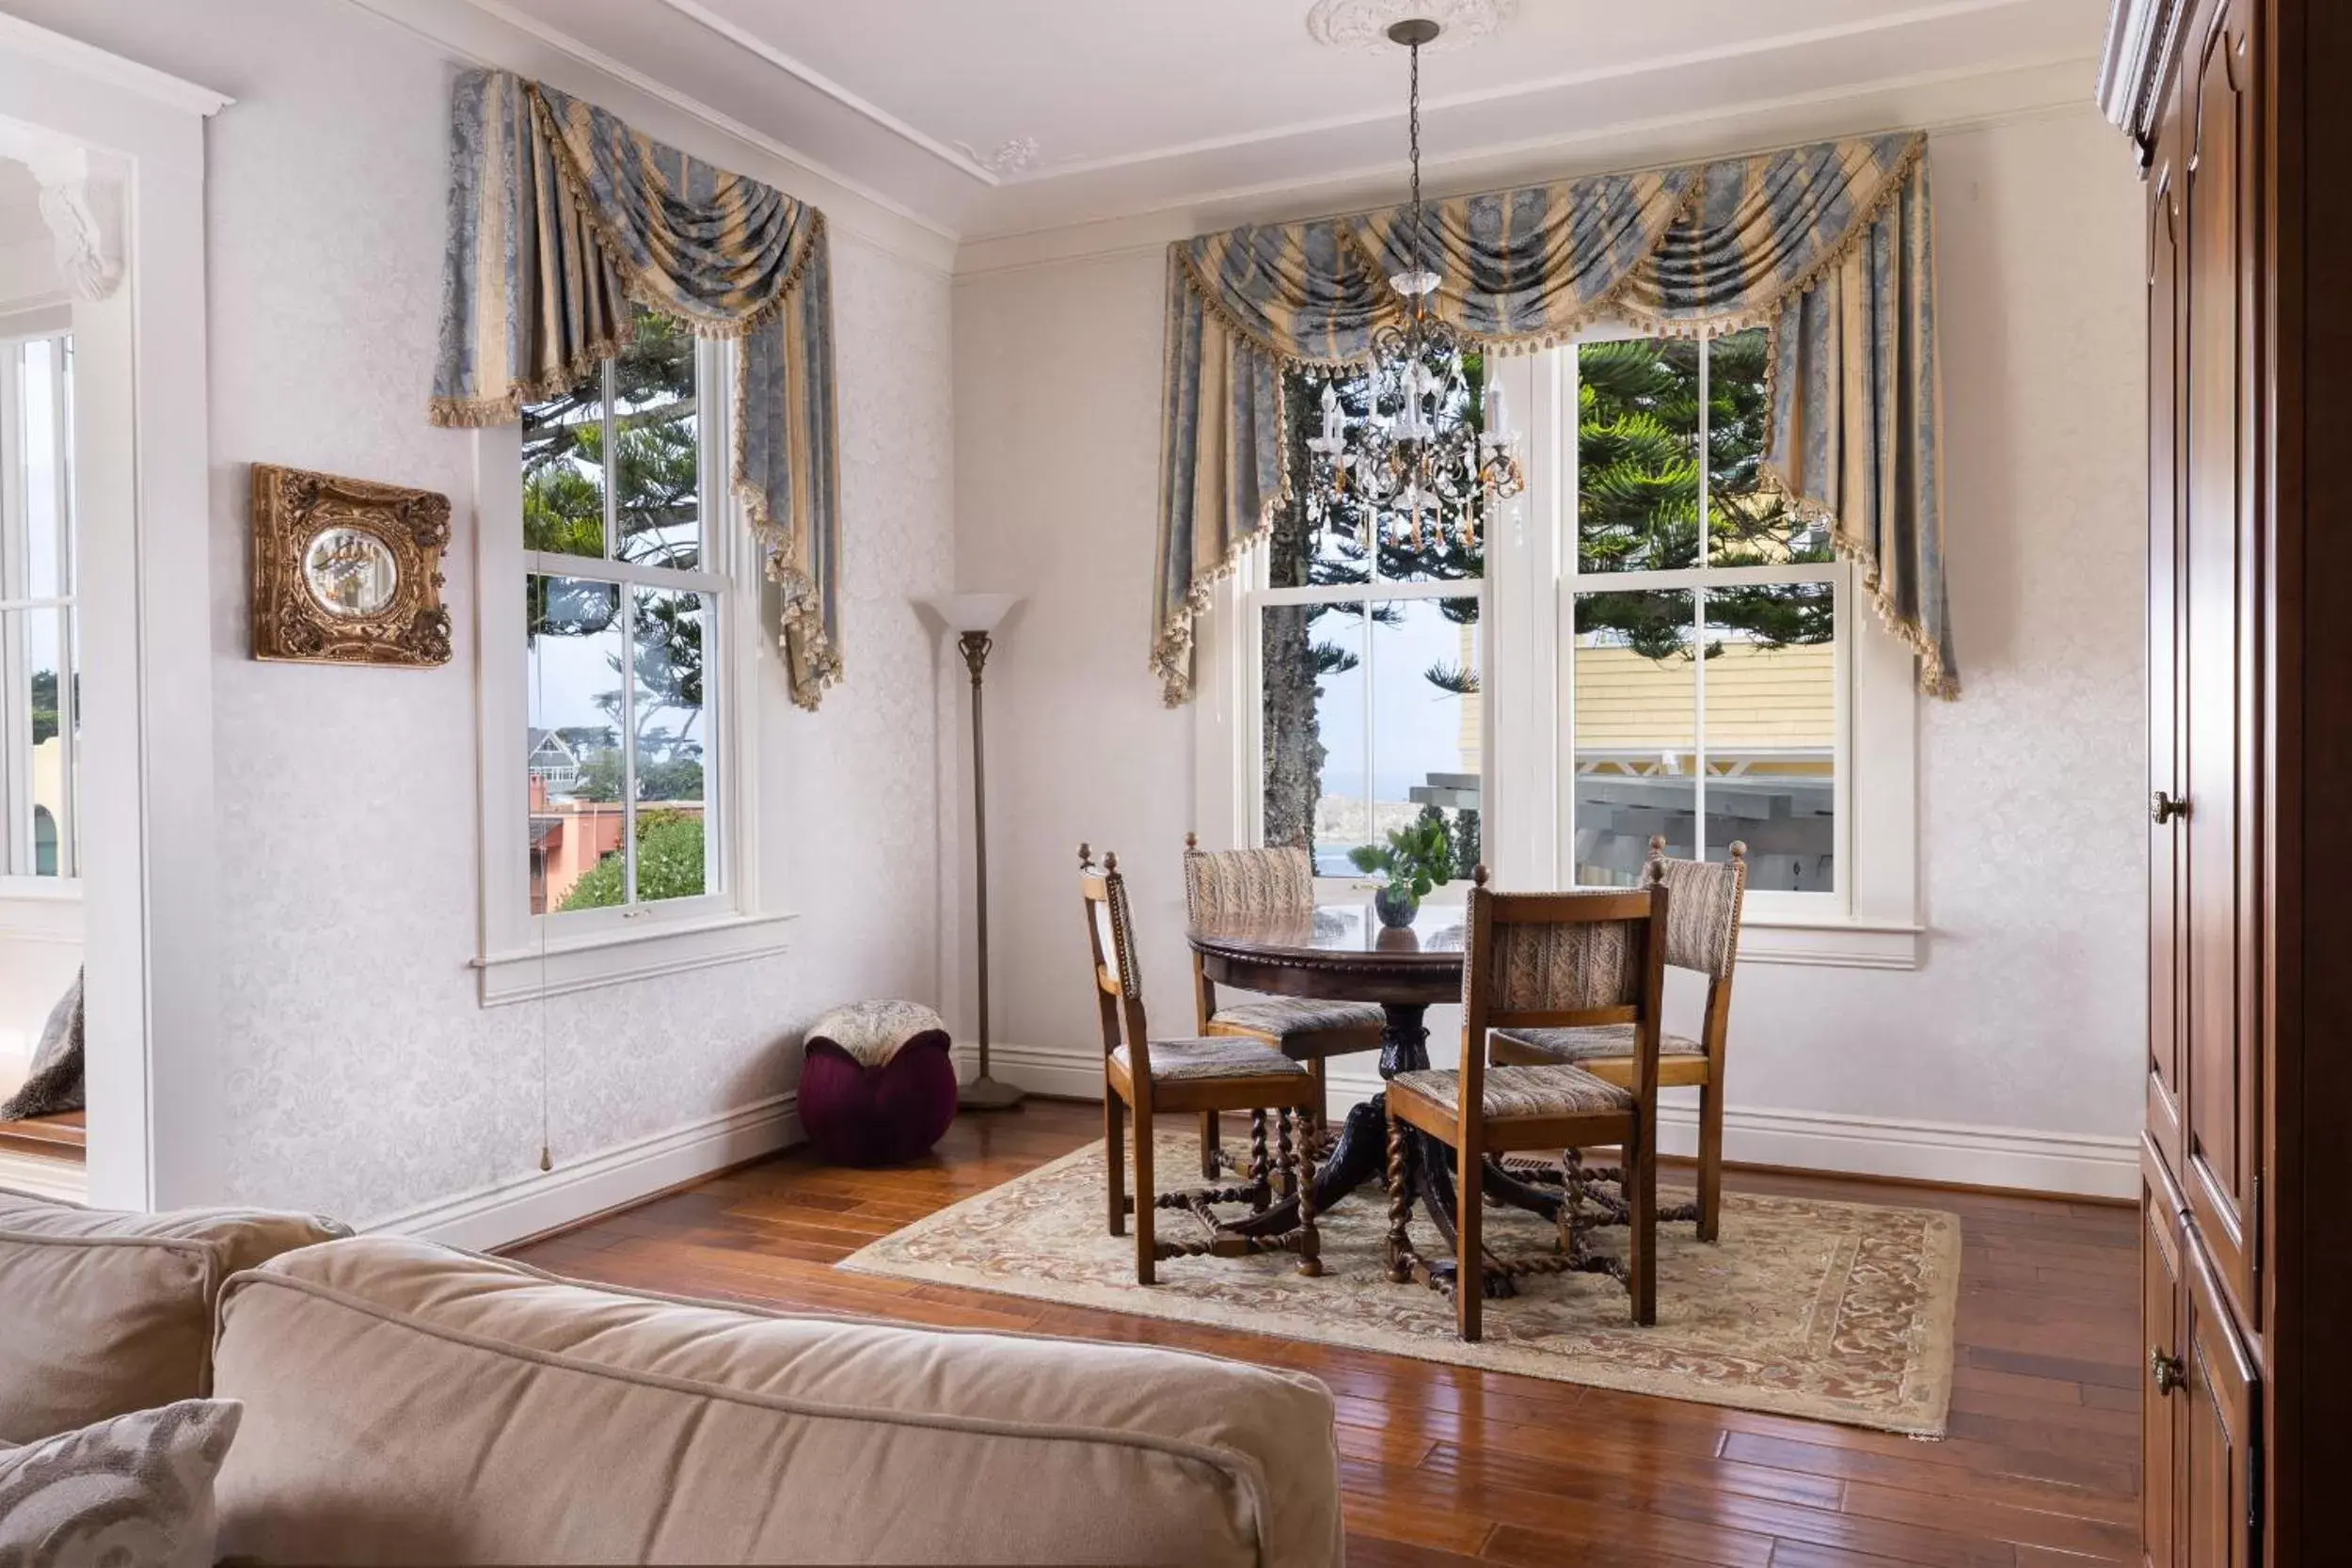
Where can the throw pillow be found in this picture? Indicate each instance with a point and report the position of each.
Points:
(55, 1084)
(132, 1489)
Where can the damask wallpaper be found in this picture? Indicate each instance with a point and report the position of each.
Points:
(360, 1076)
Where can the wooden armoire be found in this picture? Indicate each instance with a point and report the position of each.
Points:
(2242, 112)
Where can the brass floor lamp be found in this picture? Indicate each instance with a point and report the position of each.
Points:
(973, 617)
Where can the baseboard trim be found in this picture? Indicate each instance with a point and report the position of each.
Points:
(58, 1181)
(507, 1212)
(1954, 1154)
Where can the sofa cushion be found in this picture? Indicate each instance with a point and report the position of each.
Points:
(406, 1402)
(109, 1312)
(130, 1489)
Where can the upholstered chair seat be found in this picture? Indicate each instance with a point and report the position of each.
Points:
(1215, 1056)
(1518, 1091)
(1602, 1048)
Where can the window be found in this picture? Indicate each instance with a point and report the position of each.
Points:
(1370, 649)
(40, 635)
(621, 618)
(1700, 616)
(1651, 640)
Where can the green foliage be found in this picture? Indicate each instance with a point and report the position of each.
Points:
(658, 778)
(1638, 480)
(1418, 857)
(669, 863)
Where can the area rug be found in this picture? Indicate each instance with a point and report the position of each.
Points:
(1833, 1311)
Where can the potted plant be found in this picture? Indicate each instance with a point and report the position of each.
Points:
(1416, 858)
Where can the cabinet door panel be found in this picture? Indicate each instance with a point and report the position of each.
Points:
(2167, 648)
(2217, 1471)
(2221, 619)
(2162, 1410)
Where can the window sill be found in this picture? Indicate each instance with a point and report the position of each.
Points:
(618, 958)
(41, 909)
(1836, 943)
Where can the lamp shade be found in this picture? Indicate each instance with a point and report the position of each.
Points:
(971, 611)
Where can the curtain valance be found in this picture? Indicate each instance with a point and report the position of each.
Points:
(560, 217)
(1830, 247)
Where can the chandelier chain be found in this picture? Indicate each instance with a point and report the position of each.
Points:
(1413, 127)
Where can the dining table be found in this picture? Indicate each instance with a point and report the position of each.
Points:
(1343, 953)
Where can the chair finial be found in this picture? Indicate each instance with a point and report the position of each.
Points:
(1657, 843)
(1478, 877)
(1192, 844)
(1085, 858)
(1110, 861)
(1739, 850)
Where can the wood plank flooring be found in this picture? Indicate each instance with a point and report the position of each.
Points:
(1444, 1467)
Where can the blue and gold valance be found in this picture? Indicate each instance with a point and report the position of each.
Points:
(560, 217)
(1830, 247)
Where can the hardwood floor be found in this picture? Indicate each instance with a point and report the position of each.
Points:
(1447, 1466)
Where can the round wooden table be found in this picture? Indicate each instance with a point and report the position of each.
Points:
(1342, 953)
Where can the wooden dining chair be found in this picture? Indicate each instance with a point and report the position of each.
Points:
(1227, 883)
(1541, 960)
(1205, 1073)
(1704, 935)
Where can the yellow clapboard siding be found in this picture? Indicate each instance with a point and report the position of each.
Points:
(1758, 699)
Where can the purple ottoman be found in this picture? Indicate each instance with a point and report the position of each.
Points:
(878, 1084)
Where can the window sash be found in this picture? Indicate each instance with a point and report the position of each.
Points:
(18, 605)
(1839, 900)
(717, 549)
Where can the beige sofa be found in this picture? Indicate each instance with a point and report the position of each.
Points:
(406, 1402)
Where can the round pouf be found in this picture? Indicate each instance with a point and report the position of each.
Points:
(878, 1084)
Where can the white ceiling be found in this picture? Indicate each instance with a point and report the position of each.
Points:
(1138, 105)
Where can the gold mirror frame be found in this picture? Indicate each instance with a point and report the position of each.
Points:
(291, 508)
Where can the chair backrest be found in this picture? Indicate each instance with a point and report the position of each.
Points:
(1563, 961)
(1111, 938)
(1223, 882)
(1703, 932)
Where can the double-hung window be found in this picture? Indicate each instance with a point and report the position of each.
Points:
(39, 637)
(1370, 645)
(626, 596)
(1701, 617)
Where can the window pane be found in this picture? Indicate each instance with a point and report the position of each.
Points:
(673, 850)
(574, 752)
(1425, 714)
(1772, 732)
(563, 472)
(45, 483)
(1748, 525)
(655, 432)
(46, 804)
(1637, 506)
(1636, 743)
(1312, 658)
(1319, 537)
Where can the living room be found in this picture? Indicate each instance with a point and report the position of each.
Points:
(1421, 782)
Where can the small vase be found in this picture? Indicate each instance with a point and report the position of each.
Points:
(1396, 909)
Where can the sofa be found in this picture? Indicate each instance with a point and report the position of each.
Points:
(406, 1402)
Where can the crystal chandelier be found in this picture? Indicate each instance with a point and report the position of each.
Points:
(1426, 453)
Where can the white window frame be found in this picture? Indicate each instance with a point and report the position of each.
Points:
(1873, 919)
(16, 745)
(525, 956)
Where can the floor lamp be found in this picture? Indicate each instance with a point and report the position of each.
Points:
(974, 616)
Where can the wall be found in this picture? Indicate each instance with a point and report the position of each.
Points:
(2025, 1015)
(361, 1076)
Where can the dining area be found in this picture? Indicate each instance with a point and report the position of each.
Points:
(1564, 1052)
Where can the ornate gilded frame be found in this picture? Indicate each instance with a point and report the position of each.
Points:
(357, 527)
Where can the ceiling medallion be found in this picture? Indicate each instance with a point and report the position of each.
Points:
(1016, 156)
(1365, 23)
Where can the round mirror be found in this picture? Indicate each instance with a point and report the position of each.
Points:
(351, 572)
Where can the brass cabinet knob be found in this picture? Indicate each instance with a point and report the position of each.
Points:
(2167, 1369)
(2163, 808)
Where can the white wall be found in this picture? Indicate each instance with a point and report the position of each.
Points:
(2027, 1012)
(362, 1077)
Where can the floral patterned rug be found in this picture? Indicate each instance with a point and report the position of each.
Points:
(1834, 1311)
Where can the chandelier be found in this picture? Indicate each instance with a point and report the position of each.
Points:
(1425, 454)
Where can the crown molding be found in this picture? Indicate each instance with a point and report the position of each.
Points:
(954, 157)
(487, 33)
(1937, 102)
(89, 61)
